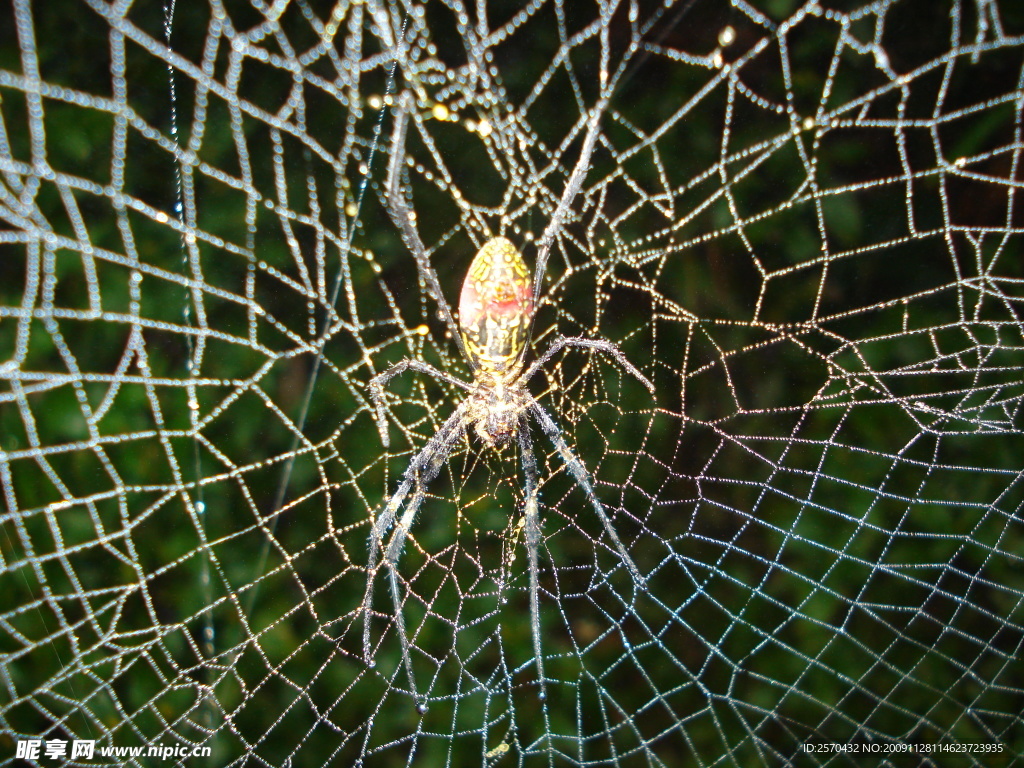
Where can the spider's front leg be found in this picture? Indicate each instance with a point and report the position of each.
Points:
(421, 471)
(378, 382)
(532, 525)
(582, 477)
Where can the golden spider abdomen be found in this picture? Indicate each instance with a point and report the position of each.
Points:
(495, 307)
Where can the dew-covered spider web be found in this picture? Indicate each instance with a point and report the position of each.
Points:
(800, 221)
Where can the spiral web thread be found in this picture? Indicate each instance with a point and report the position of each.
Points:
(800, 221)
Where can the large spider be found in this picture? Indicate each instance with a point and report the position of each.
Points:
(495, 315)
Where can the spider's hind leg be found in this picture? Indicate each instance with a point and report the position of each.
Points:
(400, 214)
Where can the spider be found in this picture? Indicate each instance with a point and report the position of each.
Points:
(496, 309)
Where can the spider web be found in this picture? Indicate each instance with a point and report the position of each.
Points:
(800, 221)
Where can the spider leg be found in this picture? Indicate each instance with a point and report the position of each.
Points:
(532, 535)
(380, 526)
(394, 550)
(378, 382)
(572, 187)
(401, 533)
(579, 472)
(398, 209)
(421, 470)
(600, 345)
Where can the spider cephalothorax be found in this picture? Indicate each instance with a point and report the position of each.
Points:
(496, 406)
(493, 332)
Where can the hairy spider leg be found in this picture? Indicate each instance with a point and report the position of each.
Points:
(378, 382)
(399, 212)
(423, 468)
(579, 471)
(608, 347)
(532, 536)
(390, 557)
(572, 187)
(397, 543)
